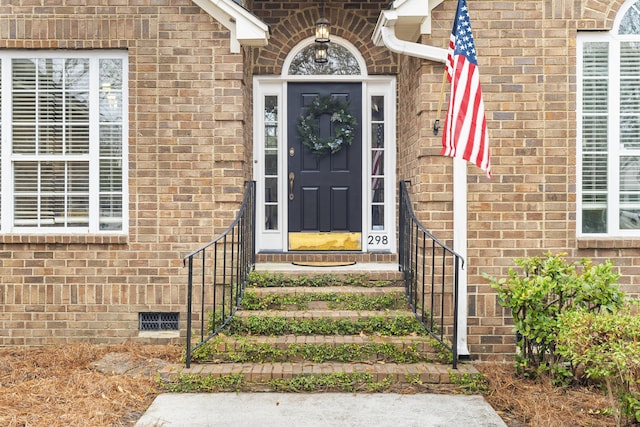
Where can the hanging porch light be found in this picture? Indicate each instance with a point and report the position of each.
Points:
(321, 55)
(323, 28)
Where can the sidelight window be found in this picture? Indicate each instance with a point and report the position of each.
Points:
(377, 163)
(271, 162)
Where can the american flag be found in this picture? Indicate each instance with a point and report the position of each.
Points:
(465, 130)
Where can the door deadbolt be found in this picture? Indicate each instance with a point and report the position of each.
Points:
(292, 152)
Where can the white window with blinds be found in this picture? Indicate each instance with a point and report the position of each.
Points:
(609, 128)
(63, 155)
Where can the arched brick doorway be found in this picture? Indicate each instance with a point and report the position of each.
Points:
(365, 198)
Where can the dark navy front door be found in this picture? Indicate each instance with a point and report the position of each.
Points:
(325, 192)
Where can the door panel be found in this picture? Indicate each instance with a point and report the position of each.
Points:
(311, 208)
(340, 207)
(326, 192)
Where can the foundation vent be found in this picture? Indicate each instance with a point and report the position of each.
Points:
(159, 321)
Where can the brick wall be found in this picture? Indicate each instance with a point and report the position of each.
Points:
(190, 148)
(527, 61)
(527, 65)
(293, 21)
(187, 160)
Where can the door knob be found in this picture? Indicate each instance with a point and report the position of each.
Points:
(292, 177)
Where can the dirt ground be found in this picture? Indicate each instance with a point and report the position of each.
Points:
(89, 385)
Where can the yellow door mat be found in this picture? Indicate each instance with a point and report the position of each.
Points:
(323, 263)
(325, 241)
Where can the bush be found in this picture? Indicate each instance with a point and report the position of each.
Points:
(543, 289)
(607, 345)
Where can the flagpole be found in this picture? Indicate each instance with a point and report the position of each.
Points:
(460, 246)
(465, 138)
(436, 124)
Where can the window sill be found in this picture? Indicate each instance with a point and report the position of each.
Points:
(94, 239)
(159, 334)
(609, 243)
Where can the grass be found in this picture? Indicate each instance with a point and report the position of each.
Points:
(470, 384)
(336, 301)
(278, 280)
(217, 351)
(338, 382)
(277, 325)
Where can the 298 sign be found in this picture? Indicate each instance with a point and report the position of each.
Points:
(377, 240)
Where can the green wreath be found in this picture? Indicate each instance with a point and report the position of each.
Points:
(344, 125)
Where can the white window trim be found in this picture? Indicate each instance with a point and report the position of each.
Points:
(276, 240)
(334, 39)
(268, 239)
(581, 39)
(7, 158)
(614, 40)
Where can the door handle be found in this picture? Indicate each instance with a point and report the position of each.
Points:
(292, 177)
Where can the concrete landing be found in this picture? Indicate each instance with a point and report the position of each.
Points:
(322, 409)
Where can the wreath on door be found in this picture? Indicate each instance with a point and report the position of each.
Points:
(344, 125)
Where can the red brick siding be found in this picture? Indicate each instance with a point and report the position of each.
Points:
(293, 21)
(188, 160)
(527, 62)
(190, 148)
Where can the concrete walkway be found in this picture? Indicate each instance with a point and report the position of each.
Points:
(321, 409)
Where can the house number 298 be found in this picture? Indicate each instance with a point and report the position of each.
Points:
(378, 240)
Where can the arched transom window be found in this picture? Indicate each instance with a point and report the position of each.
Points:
(340, 62)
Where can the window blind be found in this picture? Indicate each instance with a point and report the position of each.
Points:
(595, 119)
(67, 135)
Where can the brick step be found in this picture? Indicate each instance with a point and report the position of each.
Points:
(304, 290)
(305, 337)
(423, 343)
(324, 322)
(398, 373)
(324, 298)
(310, 256)
(259, 349)
(353, 315)
(372, 271)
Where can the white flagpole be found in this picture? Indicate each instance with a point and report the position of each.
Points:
(460, 246)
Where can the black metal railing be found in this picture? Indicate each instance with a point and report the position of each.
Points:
(218, 274)
(431, 272)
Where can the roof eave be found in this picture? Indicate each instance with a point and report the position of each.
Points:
(246, 29)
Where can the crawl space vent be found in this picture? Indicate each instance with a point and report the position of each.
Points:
(159, 321)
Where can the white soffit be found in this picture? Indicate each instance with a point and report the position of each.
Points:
(246, 29)
(385, 34)
(414, 18)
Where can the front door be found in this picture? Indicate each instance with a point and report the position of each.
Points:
(324, 190)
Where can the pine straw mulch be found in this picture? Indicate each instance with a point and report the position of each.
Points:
(522, 402)
(60, 386)
(91, 385)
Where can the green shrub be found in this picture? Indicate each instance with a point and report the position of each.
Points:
(607, 345)
(543, 289)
